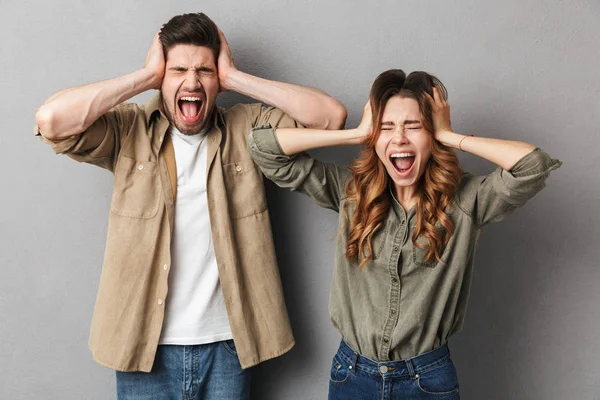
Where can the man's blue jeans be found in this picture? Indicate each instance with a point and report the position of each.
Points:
(200, 372)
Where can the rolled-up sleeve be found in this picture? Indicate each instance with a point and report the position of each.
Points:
(493, 197)
(100, 143)
(323, 182)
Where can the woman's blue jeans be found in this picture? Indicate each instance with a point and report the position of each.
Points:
(428, 376)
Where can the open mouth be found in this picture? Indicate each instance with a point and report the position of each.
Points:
(402, 162)
(190, 108)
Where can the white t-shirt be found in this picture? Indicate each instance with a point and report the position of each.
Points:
(195, 309)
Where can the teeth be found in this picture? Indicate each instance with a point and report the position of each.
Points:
(189, 98)
(402, 155)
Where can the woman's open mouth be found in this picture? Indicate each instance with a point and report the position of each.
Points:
(402, 162)
(190, 108)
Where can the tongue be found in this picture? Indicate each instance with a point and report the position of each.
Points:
(189, 108)
(403, 163)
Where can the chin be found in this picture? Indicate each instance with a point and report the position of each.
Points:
(189, 129)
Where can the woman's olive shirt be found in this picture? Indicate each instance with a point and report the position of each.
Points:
(398, 306)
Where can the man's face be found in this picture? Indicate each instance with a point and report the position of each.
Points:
(189, 87)
(404, 146)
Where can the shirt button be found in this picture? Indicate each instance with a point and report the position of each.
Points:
(159, 301)
(238, 168)
(393, 312)
(165, 267)
(140, 167)
(395, 280)
(386, 340)
(395, 248)
(383, 369)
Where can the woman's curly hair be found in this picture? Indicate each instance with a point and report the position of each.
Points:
(369, 187)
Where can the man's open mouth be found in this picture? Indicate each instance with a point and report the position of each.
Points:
(190, 108)
(402, 162)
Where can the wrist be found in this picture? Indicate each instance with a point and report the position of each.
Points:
(231, 79)
(448, 138)
(148, 79)
(355, 136)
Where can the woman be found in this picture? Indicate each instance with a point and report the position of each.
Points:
(409, 223)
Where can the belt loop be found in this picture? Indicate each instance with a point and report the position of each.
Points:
(411, 368)
(353, 361)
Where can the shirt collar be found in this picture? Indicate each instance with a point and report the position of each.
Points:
(397, 207)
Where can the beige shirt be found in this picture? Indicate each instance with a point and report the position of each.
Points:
(399, 305)
(132, 142)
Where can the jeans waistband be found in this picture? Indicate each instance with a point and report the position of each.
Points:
(408, 367)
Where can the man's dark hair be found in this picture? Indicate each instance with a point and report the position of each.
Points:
(195, 28)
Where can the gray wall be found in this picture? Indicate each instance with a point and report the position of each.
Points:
(514, 69)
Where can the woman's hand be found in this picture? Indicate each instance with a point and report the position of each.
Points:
(441, 116)
(365, 128)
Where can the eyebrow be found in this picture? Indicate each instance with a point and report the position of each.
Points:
(407, 122)
(204, 68)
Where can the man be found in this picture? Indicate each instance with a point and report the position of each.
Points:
(188, 214)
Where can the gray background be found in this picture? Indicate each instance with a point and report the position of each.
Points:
(515, 69)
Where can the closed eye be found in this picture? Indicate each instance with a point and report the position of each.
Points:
(204, 71)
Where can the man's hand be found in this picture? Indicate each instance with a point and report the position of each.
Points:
(441, 115)
(225, 64)
(155, 62)
(309, 107)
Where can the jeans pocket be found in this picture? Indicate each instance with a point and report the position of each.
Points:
(440, 380)
(230, 346)
(339, 371)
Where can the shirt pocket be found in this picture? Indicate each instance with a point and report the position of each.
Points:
(245, 189)
(137, 188)
(419, 254)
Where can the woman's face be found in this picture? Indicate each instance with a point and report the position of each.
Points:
(404, 146)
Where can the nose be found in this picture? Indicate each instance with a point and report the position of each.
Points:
(399, 136)
(192, 80)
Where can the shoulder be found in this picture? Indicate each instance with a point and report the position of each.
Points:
(240, 113)
(466, 193)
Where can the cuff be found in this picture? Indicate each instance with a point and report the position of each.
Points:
(264, 139)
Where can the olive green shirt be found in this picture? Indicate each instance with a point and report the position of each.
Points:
(132, 142)
(399, 306)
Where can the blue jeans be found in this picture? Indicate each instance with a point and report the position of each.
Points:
(200, 372)
(428, 376)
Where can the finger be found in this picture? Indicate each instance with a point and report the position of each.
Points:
(441, 96)
(157, 38)
(431, 100)
(437, 96)
(222, 37)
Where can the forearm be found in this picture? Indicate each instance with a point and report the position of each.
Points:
(72, 111)
(504, 153)
(310, 107)
(293, 141)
